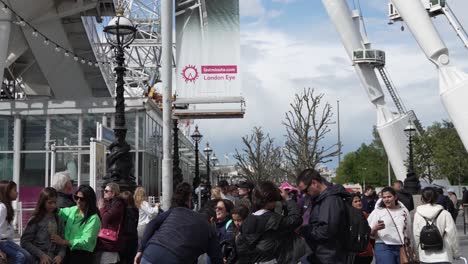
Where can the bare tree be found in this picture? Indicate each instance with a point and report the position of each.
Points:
(260, 159)
(307, 124)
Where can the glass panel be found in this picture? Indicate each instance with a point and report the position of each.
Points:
(6, 166)
(34, 131)
(67, 161)
(6, 132)
(141, 129)
(140, 168)
(130, 123)
(32, 169)
(64, 129)
(85, 169)
(89, 127)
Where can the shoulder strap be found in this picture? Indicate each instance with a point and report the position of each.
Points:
(228, 223)
(398, 231)
(435, 218)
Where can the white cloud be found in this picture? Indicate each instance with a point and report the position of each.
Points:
(277, 64)
(252, 8)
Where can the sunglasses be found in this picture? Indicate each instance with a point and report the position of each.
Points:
(78, 198)
(107, 191)
(219, 208)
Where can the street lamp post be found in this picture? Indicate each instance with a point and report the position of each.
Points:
(120, 33)
(177, 172)
(411, 183)
(208, 151)
(196, 137)
(214, 159)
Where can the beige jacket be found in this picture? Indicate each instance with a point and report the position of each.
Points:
(447, 229)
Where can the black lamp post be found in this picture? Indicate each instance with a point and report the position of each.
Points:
(214, 159)
(176, 171)
(411, 183)
(208, 151)
(120, 33)
(196, 137)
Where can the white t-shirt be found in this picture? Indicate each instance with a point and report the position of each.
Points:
(146, 213)
(6, 229)
(389, 234)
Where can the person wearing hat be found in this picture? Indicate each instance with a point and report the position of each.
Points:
(245, 194)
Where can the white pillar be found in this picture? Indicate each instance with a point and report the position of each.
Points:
(5, 28)
(17, 150)
(166, 61)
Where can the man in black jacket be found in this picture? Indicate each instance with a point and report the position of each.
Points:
(403, 196)
(179, 235)
(324, 233)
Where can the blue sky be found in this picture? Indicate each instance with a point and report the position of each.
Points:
(287, 45)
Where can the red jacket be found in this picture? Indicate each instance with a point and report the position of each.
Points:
(112, 217)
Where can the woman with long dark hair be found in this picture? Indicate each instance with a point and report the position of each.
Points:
(431, 212)
(44, 223)
(82, 228)
(8, 194)
(129, 229)
(265, 235)
(390, 224)
(367, 255)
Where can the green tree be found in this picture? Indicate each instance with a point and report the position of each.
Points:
(447, 158)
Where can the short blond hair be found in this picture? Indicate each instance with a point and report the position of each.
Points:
(114, 187)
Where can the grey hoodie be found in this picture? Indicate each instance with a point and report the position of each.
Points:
(447, 229)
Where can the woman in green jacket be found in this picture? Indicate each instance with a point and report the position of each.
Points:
(82, 226)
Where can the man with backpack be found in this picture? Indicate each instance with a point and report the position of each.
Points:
(325, 232)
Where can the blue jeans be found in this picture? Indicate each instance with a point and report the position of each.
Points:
(15, 253)
(156, 254)
(387, 254)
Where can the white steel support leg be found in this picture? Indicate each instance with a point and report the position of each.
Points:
(5, 28)
(389, 126)
(453, 83)
(167, 10)
(17, 150)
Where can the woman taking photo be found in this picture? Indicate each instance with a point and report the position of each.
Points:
(44, 223)
(431, 212)
(390, 223)
(14, 253)
(82, 227)
(145, 210)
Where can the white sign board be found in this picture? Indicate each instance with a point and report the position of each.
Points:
(208, 49)
(97, 163)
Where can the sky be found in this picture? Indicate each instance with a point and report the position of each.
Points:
(288, 45)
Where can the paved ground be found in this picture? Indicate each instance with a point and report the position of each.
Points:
(462, 237)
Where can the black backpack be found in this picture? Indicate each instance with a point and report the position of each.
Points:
(430, 237)
(357, 233)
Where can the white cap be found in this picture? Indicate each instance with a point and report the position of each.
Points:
(451, 190)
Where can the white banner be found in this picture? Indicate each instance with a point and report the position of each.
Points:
(208, 48)
(97, 161)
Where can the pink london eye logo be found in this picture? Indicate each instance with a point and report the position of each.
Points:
(190, 73)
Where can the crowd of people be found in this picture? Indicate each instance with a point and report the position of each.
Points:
(310, 223)
(315, 222)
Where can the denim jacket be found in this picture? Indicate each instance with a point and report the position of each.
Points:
(36, 237)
